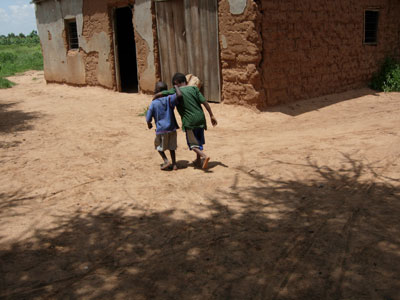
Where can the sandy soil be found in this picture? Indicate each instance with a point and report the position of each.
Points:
(300, 202)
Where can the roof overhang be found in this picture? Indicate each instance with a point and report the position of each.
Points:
(37, 1)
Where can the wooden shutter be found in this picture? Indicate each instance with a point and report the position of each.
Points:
(188, 42)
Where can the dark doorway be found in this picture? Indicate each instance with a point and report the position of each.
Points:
(126, 50)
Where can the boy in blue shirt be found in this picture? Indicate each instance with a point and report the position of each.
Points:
(192, 115)
(162, 110)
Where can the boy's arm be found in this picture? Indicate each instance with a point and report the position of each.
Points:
(213, 119)
(179, 96)
(149, 117)
(203, 101)
(158, 95)
(164, 93)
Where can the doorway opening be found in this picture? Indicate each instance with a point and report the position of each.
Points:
(126, 49)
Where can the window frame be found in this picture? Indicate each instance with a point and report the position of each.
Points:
(72, 46)
(375, 43)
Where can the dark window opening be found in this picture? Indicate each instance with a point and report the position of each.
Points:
(72, 34)
(126, 50)
(371, 26)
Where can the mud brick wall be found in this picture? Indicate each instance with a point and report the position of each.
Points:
(240, 50)
(97, 19)
(315, 47)
(97, 26)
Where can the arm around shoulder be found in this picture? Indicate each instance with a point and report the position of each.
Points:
(158, 95)
(179, 96)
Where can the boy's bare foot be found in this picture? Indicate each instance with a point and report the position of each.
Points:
(165, 165)
(174, 167)
(205, 162)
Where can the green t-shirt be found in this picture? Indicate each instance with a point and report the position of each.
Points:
(189, 108)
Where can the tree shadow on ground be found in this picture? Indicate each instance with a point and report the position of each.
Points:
(14, 120)
(333, 237)
(307, 105)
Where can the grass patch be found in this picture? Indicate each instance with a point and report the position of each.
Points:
(144, 113)
(5, 83)
(18, 58)
(388, 77)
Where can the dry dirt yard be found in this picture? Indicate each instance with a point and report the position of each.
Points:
(300, 202)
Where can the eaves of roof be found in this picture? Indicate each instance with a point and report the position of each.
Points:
(37, 1)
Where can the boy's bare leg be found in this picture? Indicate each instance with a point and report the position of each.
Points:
(197, 161)
(201, 155)
(173, 158)
(166, 163)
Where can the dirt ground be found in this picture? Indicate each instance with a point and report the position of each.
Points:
(300, 202)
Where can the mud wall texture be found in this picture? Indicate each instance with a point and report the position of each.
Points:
(241, 52)
(98, 20)
(94, 62)
(96, 42)
(315, 47)
(270, 51)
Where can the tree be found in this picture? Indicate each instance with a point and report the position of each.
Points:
(34, 33)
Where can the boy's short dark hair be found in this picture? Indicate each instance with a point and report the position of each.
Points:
(178, 78)
(161, 86)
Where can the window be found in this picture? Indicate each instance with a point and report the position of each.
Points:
(72, 34)
(371, 26)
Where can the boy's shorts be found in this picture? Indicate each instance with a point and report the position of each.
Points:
(166, 141)
(195, 138)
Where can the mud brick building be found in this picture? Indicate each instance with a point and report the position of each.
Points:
(246, 52)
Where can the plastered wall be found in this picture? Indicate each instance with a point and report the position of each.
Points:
(144, 35)
(59, 65)
(90, 64)
(93, 63)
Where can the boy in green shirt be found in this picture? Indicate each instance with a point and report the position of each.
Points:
(192, 115)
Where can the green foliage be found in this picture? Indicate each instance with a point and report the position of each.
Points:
(388, 78)
(18, 58)
(21, 39)
(392, 83)
(7, 57)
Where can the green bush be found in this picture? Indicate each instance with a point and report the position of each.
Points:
(7, 57)
(388, 78)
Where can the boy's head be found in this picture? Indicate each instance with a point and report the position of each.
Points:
(179, 79)
(160, 86)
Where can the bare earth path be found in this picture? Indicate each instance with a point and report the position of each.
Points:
(300, 202)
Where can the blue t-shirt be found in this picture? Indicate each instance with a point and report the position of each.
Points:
(162, 110)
